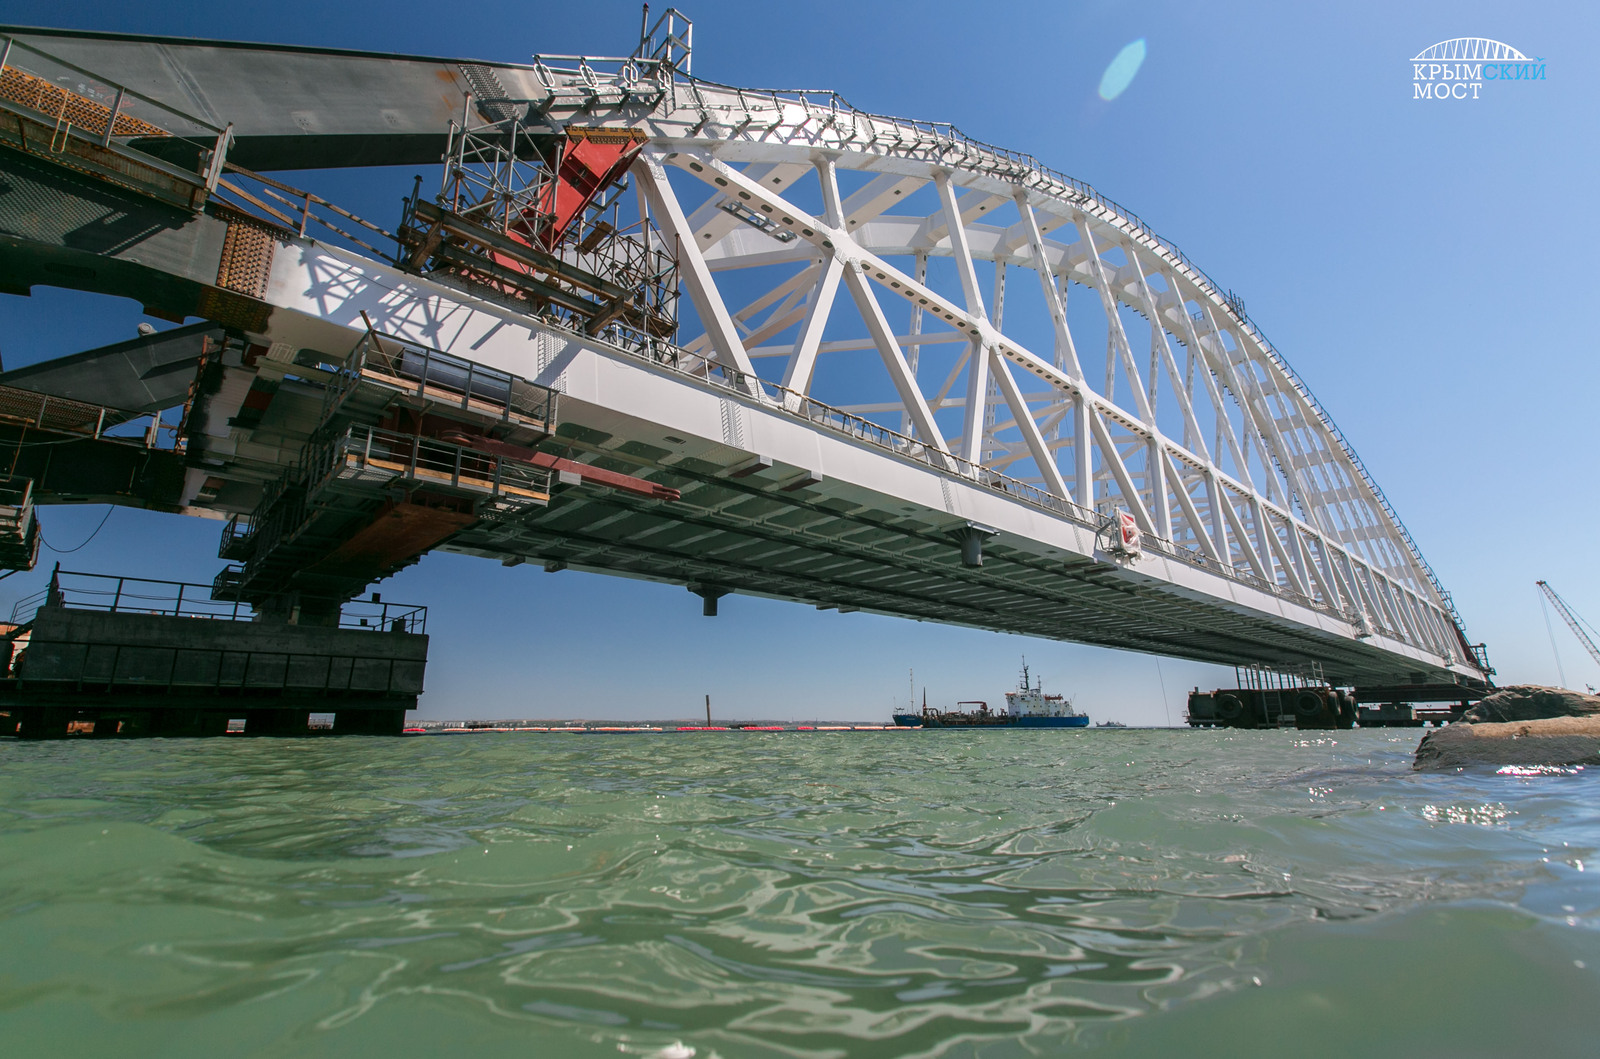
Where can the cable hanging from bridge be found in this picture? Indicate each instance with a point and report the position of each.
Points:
(68, 551)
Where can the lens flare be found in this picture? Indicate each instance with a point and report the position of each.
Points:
(1119, 75)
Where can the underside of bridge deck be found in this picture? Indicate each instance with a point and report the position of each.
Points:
(750, 535)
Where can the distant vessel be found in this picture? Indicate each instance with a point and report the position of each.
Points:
(1026, 707)
(1111, 724)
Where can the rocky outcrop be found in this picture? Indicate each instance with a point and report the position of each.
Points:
(1564, 740)
(1531, 702)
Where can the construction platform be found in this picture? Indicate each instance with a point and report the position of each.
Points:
(123, 657)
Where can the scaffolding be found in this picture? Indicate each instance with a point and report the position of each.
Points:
(531, 212)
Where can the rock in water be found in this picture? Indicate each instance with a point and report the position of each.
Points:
(1549, 741)
(1531, 702)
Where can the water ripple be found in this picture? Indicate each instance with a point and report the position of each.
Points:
(785, 895)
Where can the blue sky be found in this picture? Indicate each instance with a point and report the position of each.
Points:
(1422, 265)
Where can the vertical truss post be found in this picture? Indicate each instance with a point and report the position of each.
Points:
(1156, 479)
(992, 393)
(977, 358)
(914, 347)
(1082, 450)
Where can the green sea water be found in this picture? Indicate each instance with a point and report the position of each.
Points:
(792, 894)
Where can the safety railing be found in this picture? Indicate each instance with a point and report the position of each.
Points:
(1174, 550)
(63, 415)
(77, 590)
(445, 379)
(234, 533)
(295, 209)
(365, 456)
(375, 614)
(129, 595)
(280, 511)
(367, 451)
(77, 107)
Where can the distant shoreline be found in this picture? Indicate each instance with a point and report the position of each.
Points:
(464, 727)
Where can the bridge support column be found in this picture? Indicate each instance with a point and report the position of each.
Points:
(971, 538)
(709, 596)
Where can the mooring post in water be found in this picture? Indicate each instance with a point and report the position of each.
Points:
(708, 711)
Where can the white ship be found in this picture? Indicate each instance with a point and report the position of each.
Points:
(1030, 707)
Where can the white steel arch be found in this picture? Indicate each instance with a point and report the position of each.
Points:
(1251, 478)
(1469, 49)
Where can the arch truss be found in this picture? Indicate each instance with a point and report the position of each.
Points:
(1013, 322)
(1469, 49)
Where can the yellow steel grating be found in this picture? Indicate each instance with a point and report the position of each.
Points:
(246, 261)
(54, 413)
(70, 108)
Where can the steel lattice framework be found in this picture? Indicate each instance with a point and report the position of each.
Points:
(1191, 420)
(934, 298)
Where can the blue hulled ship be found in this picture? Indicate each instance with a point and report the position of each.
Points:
(1026, 707)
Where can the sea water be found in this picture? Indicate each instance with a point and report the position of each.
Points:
(1005, 893)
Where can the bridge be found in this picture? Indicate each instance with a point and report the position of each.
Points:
(1469, 49)
(637, 322)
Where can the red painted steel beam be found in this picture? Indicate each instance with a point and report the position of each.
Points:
(591, 161)
(627, 483)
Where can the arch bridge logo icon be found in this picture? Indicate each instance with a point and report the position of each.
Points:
(1459, 68)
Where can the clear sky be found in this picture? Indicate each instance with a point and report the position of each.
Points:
(1423, 265)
